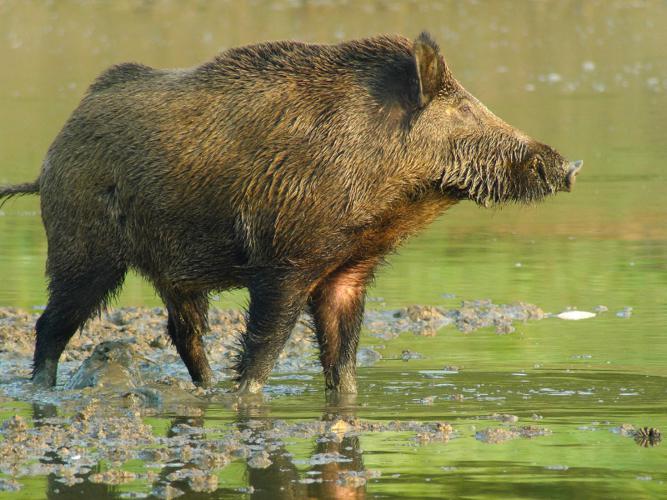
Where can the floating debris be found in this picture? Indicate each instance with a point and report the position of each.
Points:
(647, 436)
(574, 315)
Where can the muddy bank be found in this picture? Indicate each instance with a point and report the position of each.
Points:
(130, 344)
(120, 376)
(188, 457)
(121, 369)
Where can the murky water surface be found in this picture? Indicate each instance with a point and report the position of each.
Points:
(537, 412)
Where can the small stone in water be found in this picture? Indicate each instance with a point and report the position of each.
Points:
(588, 66)
(407, 355)
(368, 357)
(9, 484)
(626, 312)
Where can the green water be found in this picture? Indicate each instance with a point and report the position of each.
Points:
(589, 78)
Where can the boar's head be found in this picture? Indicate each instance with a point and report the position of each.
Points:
(475, 154)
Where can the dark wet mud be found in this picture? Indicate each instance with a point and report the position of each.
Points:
(125, 414)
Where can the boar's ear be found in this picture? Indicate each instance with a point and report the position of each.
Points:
(430, 68)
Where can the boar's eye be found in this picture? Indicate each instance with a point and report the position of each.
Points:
(465, 109)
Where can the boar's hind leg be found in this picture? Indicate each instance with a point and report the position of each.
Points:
(275, 305)
(74, 296)
(337, 306)
(186, 324)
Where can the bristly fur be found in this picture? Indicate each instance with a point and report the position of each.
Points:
(287, 168)
(240, 348)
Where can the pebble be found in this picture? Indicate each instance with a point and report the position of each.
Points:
(367, 356)
(626, 312)
(7, 484)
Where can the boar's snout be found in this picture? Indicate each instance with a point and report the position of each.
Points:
(573, 169)
(550, 172)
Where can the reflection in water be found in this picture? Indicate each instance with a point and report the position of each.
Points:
(55, 487)
(265, 449)
(336, 463)
(334, 467)
(338, 476)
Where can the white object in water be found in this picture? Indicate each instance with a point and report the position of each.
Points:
(575, 315)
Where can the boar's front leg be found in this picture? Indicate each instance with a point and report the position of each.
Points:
(337, 306)
(276, 301)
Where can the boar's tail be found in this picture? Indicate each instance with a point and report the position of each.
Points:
(7, 192)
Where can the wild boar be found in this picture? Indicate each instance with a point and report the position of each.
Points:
(287, 168)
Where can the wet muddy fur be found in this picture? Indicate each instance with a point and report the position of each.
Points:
(286, 168)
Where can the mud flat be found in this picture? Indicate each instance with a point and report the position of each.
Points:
(121, 369)
(129, 346)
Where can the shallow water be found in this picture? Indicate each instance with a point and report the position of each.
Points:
(589, 78)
